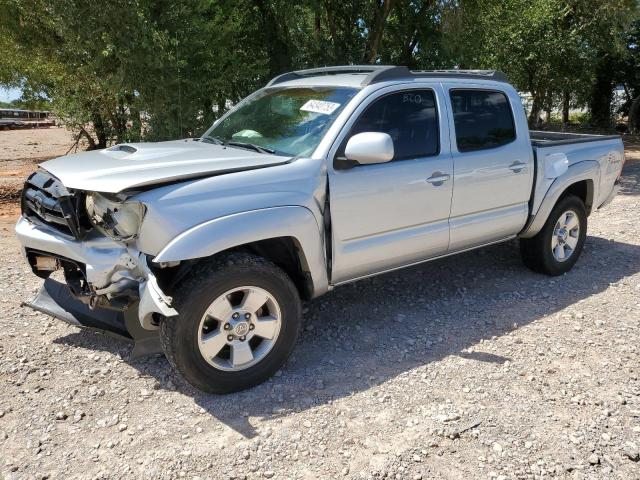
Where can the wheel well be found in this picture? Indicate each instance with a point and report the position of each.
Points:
(583, 190)
(285, 252)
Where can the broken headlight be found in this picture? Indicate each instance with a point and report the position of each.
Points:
(118, 219)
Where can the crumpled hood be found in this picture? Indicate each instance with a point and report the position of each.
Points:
(133, 165)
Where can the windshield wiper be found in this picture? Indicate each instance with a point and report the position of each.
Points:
(251, 146)
(214, 140)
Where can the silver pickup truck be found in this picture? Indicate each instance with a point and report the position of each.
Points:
(206, 247)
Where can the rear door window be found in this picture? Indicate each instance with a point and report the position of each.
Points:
(482, 119)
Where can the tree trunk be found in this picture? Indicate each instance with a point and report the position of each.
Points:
(333, 34)
(85, 134)
(407, 58)
(634, 116)
(602, 93)
(382, 8)
(413, 23)
(548, 105)
(135, 132)
(317, 25)
(566, 97)
(208, 113)
(100, 129)
(222, 108)
(275, 40)
(119, 122)
(536, 108)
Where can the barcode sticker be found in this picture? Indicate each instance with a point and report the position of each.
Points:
(319, 106)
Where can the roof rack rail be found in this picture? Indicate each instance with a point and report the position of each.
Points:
(495, 75)
(314, 72)
(383, 73)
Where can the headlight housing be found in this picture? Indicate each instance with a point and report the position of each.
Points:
(118, 219)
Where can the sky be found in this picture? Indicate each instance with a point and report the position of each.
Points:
(6, 95)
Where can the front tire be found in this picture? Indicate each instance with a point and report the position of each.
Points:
(239, 318)
(556, 248)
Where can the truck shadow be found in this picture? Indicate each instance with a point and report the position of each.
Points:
(367, 333)
(630, 179)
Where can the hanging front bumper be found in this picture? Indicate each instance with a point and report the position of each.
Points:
(55, 299)
(107, 272)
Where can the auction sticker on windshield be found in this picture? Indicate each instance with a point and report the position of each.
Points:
(320, 106)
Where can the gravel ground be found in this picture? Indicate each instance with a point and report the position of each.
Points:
(467, 367)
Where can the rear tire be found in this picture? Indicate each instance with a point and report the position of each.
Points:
(228, 307)
(556, 248)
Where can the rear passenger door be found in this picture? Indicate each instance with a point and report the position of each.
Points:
(492, 165)
(392, 214)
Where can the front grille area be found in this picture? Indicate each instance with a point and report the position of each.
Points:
(46, 200)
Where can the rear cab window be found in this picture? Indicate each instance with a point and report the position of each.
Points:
(482, 119)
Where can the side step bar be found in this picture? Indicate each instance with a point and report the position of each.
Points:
(55, 299)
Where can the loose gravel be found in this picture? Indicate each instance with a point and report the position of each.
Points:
(463, 368)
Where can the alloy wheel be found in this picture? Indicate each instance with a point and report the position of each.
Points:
(565, 236)
(239, 328)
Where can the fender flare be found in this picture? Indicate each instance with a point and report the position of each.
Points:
(586, 170)
(223, 233)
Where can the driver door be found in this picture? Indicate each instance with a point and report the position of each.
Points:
(387, 215)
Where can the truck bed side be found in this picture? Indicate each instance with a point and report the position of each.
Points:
(594, 159)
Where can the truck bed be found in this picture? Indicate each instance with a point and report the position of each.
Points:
(605, 150)
(541, 138)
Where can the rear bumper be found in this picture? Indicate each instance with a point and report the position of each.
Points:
(55, 299)
(108, 266)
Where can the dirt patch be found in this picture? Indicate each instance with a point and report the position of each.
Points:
(34, 143)
(9, 210)
(20, 153)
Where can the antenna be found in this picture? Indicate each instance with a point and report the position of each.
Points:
(179, 89)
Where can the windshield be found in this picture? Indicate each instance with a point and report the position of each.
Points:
(285, 121)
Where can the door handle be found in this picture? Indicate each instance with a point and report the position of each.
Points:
(438, 178)
(517, 167)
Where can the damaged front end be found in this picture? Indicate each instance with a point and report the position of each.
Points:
(109, 283)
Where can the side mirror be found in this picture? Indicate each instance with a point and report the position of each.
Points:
(369, 147)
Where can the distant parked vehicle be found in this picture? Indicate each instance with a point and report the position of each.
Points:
(321, 178)
(11, 118)
(6, 124)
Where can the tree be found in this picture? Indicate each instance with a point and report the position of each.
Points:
(549, 48)
(162, 69)
(607, 31)
(381, 10)
(413, 35)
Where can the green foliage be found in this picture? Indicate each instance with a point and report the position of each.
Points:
(580, 118)
(28, 103)
(550, 48)
(125, 70)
